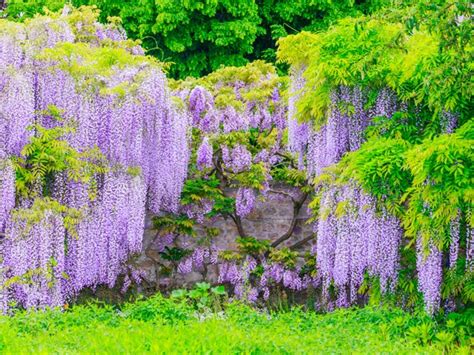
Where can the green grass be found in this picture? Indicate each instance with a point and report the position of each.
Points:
(159, 325)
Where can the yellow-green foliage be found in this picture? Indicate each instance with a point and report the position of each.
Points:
(35, 214)
(423, 52)
(173, 326)
(89, 60)
(90, 65)
(382, 51)
(443, 179)
(48, 153)
(11, 29)
(356, 52)
(259, 79)
(83, 23)
(425, 184)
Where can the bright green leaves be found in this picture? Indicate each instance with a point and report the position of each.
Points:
(422, 51)
(254, 177)
(420, 64)
(197, 190)
(284, 256)
(291, 176)
(201, 36)
(355, 52)
(426, 185)
(443, 180)
(48, 153)
(203, 297)
(92, 64)
(209, 33)
(35, 214)
(23, 9)
(379, 165)
(458, 283)
(42, 160)
(174, 224)
(282, 17)
(252, 246)
(221, 84)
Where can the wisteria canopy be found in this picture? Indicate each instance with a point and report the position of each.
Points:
(363, 132)
(121, 147)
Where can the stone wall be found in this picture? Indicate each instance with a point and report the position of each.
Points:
(269, 220)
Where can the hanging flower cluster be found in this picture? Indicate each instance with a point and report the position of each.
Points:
(249, 285)
(358, 239)
(365, 240)
(354, 241)
(204, 155)
(343, 130)
(430, 273)
(200, 257)
(298, 132)
(244, 201)
(239, 121)
(118, 103)
(225, 107)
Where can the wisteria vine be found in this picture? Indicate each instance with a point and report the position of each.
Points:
(120, 107)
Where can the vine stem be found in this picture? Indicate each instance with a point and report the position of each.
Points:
(297, 204)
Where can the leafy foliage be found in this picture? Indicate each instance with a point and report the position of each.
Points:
(199, 37)
(49, 153)
(202, 296)
(24, 9)
(445, 162)
(415, 168)
(418, 166)
(166, 324)
(93, 164)
(379, 50)
(199, 189)
(252, 246)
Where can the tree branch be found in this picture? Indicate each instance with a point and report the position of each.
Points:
(302, 242)
(287, 157)
(238, 223)
(284, 193)
(296, 210)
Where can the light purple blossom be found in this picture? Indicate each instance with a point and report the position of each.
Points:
(429, 266)
(245, 201)
(141, 132)
(204, 155)
(240, 159)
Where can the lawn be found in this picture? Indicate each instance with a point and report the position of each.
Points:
(161, 325)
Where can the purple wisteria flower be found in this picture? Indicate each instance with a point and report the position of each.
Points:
(245, 201)
(142, 135)
(204, 154)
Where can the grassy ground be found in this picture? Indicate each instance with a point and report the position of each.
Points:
(159, 325)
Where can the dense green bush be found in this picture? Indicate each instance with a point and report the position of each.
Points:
(162, 325)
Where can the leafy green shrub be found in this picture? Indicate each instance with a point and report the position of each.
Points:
(202, 296)
(158, 309)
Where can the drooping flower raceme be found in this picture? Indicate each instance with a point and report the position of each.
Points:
(141, 134)
(204, 154)
(298, 133)
(245, 201)
(430, 272)
(7, 191)
(356, 242)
